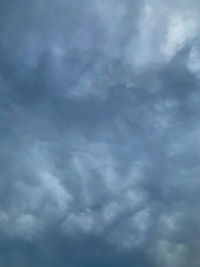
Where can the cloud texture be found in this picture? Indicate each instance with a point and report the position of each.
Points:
(100, 133)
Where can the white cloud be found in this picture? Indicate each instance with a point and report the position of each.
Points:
(182, 29)
(163, 30)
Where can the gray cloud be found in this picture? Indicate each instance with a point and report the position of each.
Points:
(99, 133)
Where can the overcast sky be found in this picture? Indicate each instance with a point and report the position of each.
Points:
(99, 133)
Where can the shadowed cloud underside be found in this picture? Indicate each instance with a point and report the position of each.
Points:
(99, 133)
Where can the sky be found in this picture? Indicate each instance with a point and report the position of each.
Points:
(99, 133)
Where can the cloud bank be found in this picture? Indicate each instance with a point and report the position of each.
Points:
(100, 133)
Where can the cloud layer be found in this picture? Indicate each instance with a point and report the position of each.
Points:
(100, 133)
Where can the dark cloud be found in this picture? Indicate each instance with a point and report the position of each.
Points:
(99, 111)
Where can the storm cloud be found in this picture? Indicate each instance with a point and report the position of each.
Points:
(99, 133)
